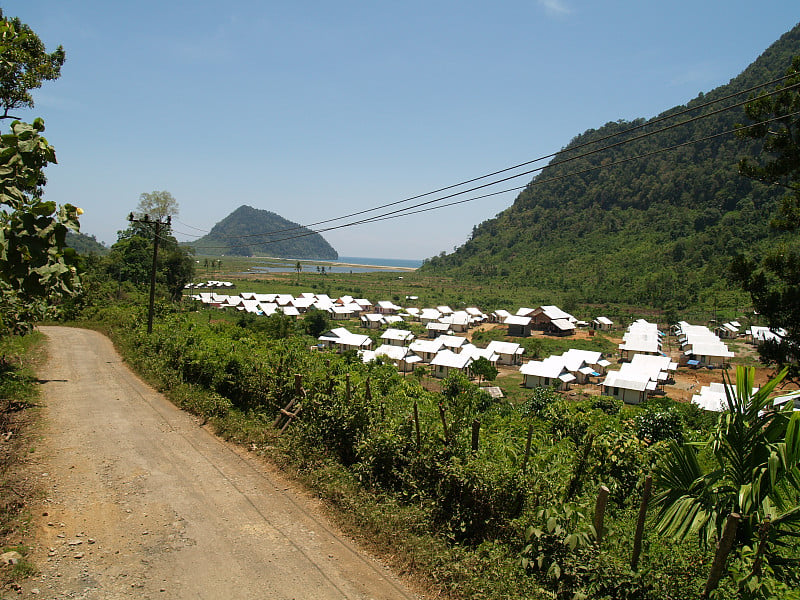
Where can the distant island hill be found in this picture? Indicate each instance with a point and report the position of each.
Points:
(249, 231)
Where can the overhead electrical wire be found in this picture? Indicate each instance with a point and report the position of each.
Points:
(507, 169)
(403, 212)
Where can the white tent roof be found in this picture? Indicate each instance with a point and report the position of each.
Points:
(397, 334)
(453, 341)
(448, 358)
(554, 313)
(628, 381)
(563, 324)
(505, 347)
(426, 346)
(517, 320)
(552, 366)
(395, 353)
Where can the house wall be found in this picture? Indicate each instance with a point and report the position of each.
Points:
(553, 330)
(627, 396)
(534, 381)
(405, 367)
(442, 372)
(507, 359)
(540, 321)
(519, 330)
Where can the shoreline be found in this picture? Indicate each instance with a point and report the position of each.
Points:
(315, 261)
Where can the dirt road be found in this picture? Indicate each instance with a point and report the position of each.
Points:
(141, 502)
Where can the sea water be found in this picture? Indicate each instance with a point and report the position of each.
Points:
(345, 264)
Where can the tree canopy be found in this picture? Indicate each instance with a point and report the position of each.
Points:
(36, 267)
(131, 258)
(157, 205)
(776, 123)
(772, 277)
(24, 64)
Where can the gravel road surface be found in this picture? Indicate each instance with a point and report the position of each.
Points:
(139, 501)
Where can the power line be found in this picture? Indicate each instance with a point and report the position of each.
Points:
(551, 155)
(403, 212)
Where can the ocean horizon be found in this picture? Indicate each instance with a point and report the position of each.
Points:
(344, 264)
(387, 262)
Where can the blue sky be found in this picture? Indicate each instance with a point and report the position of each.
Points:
(318, 109)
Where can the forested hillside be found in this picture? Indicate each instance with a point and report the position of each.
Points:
(659, 231)
(85, 244)
(249, 231)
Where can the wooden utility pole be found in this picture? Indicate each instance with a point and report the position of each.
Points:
(157, 224)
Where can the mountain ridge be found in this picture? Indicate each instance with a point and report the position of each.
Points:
(249, 231)
(659, 231)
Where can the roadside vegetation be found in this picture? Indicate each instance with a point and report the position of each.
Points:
(18, 415)
(511, 516)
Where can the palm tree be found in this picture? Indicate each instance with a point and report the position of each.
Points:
(755, 472)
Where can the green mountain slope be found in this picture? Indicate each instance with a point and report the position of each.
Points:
(249, 231)
(85, 244)
(656, 231)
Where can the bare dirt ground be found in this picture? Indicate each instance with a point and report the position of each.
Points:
(139, 501)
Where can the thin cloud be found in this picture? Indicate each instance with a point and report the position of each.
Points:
(555, 7)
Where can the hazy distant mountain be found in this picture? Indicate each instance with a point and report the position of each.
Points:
(249, 231)
(659, 230)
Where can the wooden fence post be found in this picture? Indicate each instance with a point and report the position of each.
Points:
(527, 448)
(723, 549)
(286, 415)
(416, 426)
(600, 512)
(637, 539)
(277, 422)
(443, 417)
(476, 430)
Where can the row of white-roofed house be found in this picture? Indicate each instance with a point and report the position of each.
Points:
(640, 378)
(757, 334)
(714, 397)
(211, 283)
(444, 354)
(559, 371)
(546, 318)
(641, 337)
(269, 304)
(441, 320)
(701, 347)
